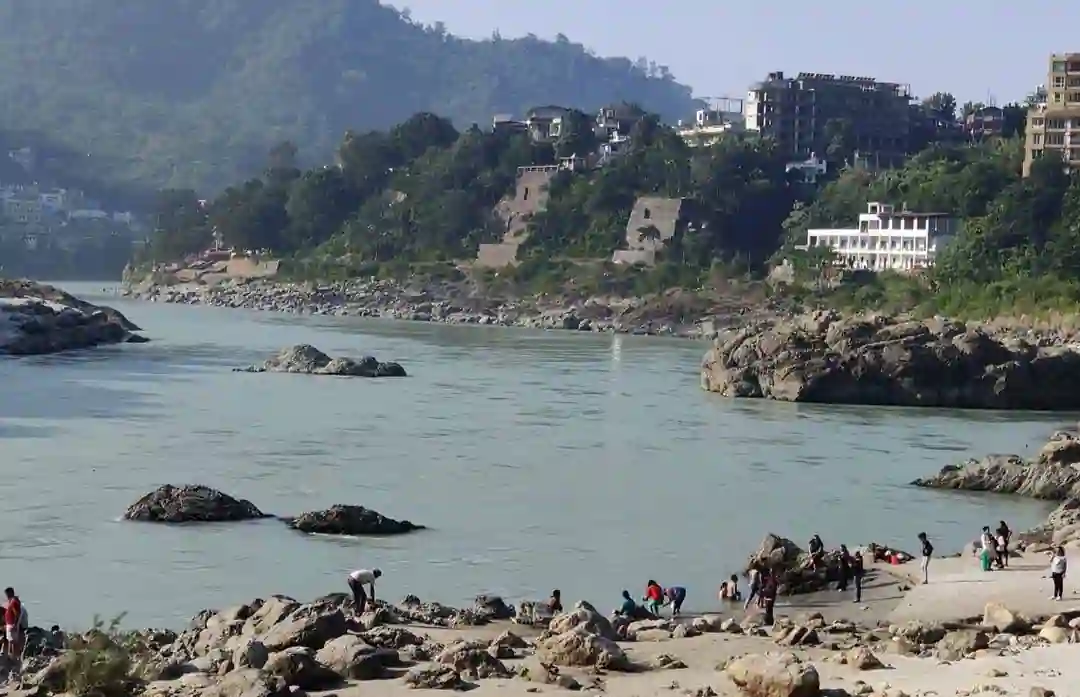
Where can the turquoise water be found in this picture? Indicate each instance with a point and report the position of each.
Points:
(539, 460)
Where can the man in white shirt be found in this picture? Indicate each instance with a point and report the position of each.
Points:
(357, 579)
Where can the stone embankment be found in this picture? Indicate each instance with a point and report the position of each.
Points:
(38, 319)
(826, 357)
(674, 313)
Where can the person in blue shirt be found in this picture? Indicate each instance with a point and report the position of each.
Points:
(629, 608)
(675, 596)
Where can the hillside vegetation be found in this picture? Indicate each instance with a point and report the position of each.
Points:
(192, 93)
(422, 193)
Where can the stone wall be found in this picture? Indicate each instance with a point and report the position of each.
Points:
(664, 214)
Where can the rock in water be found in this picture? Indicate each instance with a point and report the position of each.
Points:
(825, 357)
(350, 520)
(37, 319)
(308, 360)
(191, 504)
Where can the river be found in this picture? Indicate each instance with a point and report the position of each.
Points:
(539, 460)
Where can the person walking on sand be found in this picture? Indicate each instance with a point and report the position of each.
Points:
(989, 549)
(845, 568)
(675, 597)
(768, 595)
(1058, 566)
(357, 579)
(755, 585)
(654, 597)
(1004, 534)
(15, 622)
(927, 552)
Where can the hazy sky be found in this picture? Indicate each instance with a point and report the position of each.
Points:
(972, 49)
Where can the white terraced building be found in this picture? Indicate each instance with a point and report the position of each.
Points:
(887, 239)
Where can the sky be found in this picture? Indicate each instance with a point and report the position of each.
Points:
(994, 48)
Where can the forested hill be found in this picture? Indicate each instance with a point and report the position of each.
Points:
(195, 92)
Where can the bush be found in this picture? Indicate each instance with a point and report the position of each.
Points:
(106, 661)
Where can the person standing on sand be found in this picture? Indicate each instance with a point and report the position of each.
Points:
(845, 568)
(988, 556)
(927, 552)
(857, 572)
(357, 579)
(755, 585)
(1004, 534)
(1058, 566)
(768, 595)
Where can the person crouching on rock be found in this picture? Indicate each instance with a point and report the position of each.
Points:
(675, 596)
(816, 548)
(654, 598)
(357, 579)
(630, 608)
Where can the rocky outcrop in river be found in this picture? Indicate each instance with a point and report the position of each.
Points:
(1053, 474)
(350, 520)
(39, 319)
(308, 360)
(828, 358)
(191, 504)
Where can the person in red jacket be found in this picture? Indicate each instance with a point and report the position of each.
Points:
(654, 598)
(13, 625)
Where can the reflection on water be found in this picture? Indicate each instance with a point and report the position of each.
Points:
(539, 459)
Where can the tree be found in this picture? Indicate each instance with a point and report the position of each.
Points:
(840, 134)
(942, 106)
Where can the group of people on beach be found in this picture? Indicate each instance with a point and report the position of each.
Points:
(993, 553)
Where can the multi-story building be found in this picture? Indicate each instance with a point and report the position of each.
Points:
(796, 112)
(710, 126)
(984, 122)
(1054, 126)
(887, 239)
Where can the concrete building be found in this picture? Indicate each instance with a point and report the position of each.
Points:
(1054, 126)
(796, 113)
(710, 126)
(887, 239)
(530, 197)
(985, 122)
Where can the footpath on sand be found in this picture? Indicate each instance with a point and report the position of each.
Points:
(959, 589)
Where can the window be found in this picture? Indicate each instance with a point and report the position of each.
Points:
(909, 223)
(1072, 97)
(1036, 139)
(875, 225)
(1055, 139)
(1059, 81)
(1055, 124)
(1038, 122)
(1058, 67)
(863, 226)
(1057, 97)
(525, 196)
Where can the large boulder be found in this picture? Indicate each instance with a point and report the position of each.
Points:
(580, 647)
(774, 675)
(790, 563)
(351, 657)
(1053, 474)
(350, 520)
(190, 504)
(585, 617)
(38, 319)
(308, 360)
(829, 358)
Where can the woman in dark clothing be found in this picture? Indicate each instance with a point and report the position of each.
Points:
(554, 603)
(845, 568)
(1004, 534)
(768, 595)
(857, 572)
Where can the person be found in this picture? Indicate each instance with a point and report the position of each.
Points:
(675, 597)
(817, 552)
(729, 589)
(628, 608)
(844, 568)
(927, 552)
(654, 597)
(755, 586)
(14, 624)
(768, 595)
(56, 635)
(857, 572)
(1058, 566)
(1004, 534)
(554, 603)
(357, 579)
(989, 549)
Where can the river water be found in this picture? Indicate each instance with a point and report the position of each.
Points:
(539, 460)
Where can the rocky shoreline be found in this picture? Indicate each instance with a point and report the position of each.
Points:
(38, 319)
(675, 313)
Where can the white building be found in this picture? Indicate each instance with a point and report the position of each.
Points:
(709, 127)
(887, 239)
(808, 170)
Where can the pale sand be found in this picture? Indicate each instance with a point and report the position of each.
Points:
(958, 589)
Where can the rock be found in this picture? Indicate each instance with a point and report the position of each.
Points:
(38, 319)
(312, 631)
(862, 658)
(919, 632)
(580, 647)
(585, 616)
(509, 640)
(309, 360)
(797, 636)
(190, 504)
(350, 520)
(826, 357)
(494, 607)
(247, 683)
(533, 613)
(774, 675)
(958, 644)
(252, 654)
(1008, 474)
(352, 658)
(1004, 620)
(1056, 635)
(392, 637)
(473, 659)
(298, 668)
(1037, 691)
(667, 662)
(436, 678)
(790, 564)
